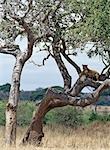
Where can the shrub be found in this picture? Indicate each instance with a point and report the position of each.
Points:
(67, 116)
(25, 112)
(2, 112)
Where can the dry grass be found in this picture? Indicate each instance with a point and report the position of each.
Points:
(92, 137)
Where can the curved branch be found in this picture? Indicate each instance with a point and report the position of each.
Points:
(80, 84)
(105, 68)
(29, 7)
(68, 58)
(72, 62)
(63, 70)
(43, 62)
(51, 100)
(30, 36)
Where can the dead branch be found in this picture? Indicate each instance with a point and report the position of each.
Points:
(43, 62)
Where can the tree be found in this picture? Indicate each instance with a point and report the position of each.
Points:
(63, 24)
(14, 24)
(20, 19)
(59, 25)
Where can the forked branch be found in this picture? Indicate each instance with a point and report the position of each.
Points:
(51, 100)
(63, 51)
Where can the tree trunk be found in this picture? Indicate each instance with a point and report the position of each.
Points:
(11, 107)
(53, 99)
(35, 133)
(21, 58)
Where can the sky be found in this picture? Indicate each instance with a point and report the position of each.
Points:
(46, 76)
(34, 77)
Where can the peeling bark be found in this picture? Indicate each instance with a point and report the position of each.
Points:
(53, 99)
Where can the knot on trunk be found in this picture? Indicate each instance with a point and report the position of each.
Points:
(10, 106)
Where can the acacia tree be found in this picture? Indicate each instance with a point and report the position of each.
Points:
(67, 30)
(60, 26)
(13, 25)
(21, 19)
(18, 19)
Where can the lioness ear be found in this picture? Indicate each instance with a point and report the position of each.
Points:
(85, 66)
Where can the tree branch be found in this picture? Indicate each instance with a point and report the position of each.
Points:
(63, 70)
(60, 99)
(68, 58)
(81, 83)
(10, 49)
(30, 36)
(51, 100)
(43, 62)
(29, 7)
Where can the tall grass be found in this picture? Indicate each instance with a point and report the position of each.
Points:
(66, 129)
(95, 136)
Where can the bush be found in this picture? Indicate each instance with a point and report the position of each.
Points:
(94, 116)
(25, 112)
(2, 112)
(67, 116)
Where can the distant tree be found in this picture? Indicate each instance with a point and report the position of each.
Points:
(5, 87)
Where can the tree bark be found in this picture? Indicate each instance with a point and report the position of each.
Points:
(21, 58)
(63, 70)
(51, 100)
(63, 51)
(11, 107)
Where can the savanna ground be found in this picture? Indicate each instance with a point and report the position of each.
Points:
(92, 137)
(65, 128)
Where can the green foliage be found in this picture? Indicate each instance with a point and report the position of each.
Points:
(105, 92)
(38, 94)
(95, 19)
(25, 112)
(67, 116)
(94, 116)
(5, 87)
(2, 112)
(98, 20)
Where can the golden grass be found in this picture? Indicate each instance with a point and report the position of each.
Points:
(93, 137)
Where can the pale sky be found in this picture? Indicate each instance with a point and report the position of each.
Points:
(34, 77)
(46, 76)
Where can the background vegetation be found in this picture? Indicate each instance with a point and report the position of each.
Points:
(66, 116)
(38, 94)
